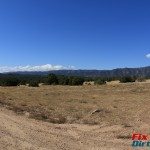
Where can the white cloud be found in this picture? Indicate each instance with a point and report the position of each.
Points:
(46, 67)
(148, 56)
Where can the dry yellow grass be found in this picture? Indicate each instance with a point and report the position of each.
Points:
(112, 104)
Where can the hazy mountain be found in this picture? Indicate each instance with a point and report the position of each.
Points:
(142, 72)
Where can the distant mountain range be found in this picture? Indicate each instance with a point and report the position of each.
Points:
(140, 72)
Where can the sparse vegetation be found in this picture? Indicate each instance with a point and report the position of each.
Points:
(141, 79)
(99, 81)
(124, 137)
(33, 84)
(61, 104)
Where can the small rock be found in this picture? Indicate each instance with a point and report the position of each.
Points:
(27, 114)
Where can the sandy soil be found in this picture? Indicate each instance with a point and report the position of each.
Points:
(20, 133)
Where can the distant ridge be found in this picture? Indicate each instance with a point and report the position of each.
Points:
(141, 72)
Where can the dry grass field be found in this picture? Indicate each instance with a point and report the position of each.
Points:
(99, 117)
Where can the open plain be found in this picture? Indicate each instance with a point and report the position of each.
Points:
(73, 117)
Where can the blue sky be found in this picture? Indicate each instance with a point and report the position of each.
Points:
(91, 34)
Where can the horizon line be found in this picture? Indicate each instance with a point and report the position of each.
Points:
(49, 67)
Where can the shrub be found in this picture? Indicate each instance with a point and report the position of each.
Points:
(10, 81)
(63, 80)
(23, 82)
(33, 84)
(76, 81)
(127, 79)
(99, 81)
(52, 79)
(140, 79)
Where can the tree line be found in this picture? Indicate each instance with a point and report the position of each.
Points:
(52, 79)
(34, 80)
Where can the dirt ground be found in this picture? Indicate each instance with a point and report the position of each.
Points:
(21, 133)
(92, 117)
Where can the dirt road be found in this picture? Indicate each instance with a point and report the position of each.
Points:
(21, 133)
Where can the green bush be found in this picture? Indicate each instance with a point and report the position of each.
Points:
(76, 81)
(23, 82)
(127, 79)
(99, 81)
(9, 81)
(33, 84)
(63, 80)
(51, 79)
